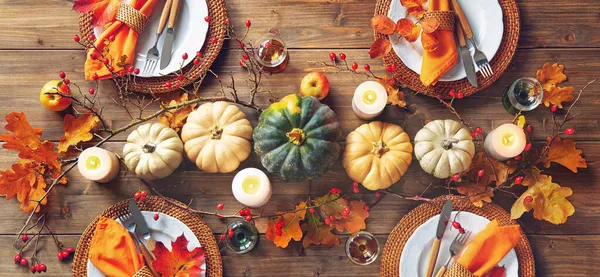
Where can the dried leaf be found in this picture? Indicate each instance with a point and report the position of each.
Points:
(179, 262)
(77, 130)
(414, 7)
(104, 10)
(564, 153)
(175, 118)
(397, 98)
(291, 227)
(532, 175)
(354, 222)
(548, 201)
(521, 121)
(317, 232)
(429, 25)
(383, 24)
(550, 75)
(404, 27)
(418, 11)
(477, 193)
(380, 48)
(493, 171)
(429, 41)
(555, 95)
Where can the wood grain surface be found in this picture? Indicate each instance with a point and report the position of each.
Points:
(36, 43)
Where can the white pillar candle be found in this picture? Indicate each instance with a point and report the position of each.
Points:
(505, 142)
(369, 100)
(98, 165)
(251, 187)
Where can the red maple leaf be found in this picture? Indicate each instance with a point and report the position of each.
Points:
(179, 262)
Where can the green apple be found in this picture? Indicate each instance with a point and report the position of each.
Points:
(314, 84)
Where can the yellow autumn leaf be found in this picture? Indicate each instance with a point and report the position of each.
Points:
(477, 193)
(493, 171)
(521, 121)
(291, 227)
(175, 118)
(550, 75)
(77, 130)
(564, 153)
(548, 201)
(555, 95)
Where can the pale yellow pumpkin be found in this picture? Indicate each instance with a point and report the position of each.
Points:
(377, 154)
(217, 137)
(444, 147)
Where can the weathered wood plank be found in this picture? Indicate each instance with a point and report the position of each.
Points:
(303, 24)
(25, 76)
(87, 200)
(556, 256)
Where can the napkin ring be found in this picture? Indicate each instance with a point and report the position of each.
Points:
(133, 18)
(445, 18)
(144, 272)
(457, 270)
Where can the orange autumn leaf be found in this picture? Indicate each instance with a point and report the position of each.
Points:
(27, 178)
(408, 30)
(550, 75)
(563, 152)
(493, 171)
(429, 41)
(104, 11)
(175, 118)
(418, 11)
(548, 201)
(414, 7)
(555, 95)
(356, 219)
(477, 193)
(179, 262)
(77, 130)
(429, 25)
(395, 95)
(383, 24)
(532, 175)
(380, 47)
(317, 232)
(291, 227)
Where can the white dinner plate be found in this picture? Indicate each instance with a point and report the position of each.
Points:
(166, 230)
(415, 255)
(487, 23)
(190, 35)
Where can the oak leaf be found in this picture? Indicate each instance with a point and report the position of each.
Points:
(430, 25)
(395, 95)
(77, 130)
(317, 232)
(179, 262)
(383, 24)
(548, 201)
(550, 75)
(291, 227)
(493, 171)
(380, 48)
(531, 176)
(104, 11)
(555, 95)
(429, 41)
(477, 193)
(564, 153)
(354, 222)
(25, 181)
(175, 118)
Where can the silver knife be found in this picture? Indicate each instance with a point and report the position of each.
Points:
(140, 224)
(165, 57)
(466, 56)
(439, 233)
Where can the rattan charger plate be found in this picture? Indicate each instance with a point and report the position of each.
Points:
(390, 260)
(214, 264)
(499, 64)
(217, 29)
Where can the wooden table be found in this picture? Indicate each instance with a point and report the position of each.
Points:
(36, 43)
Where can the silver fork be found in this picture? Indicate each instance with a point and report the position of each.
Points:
(152, 56)
(480, 59)
(457, 245)
(129, 224)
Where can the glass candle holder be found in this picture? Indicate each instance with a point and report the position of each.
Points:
(271, 52)
(245, 236)
(362, 248)
(523, 95)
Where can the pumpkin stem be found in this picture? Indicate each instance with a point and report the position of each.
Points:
(215, 132)
(379, 148)
(447, 143)
(149, 147)
(296, 136)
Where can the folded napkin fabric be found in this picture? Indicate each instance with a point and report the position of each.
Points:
(437, 62)
(125, 41)
(113, 251)
(489, 247)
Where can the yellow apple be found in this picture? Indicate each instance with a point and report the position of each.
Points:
(53, 101)
(314, 84)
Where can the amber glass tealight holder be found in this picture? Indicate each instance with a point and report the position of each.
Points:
(362, 248)
(271, 52)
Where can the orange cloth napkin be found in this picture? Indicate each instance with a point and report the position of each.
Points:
(436, 63)
(489, 247)
(113, 251)
(124, 43)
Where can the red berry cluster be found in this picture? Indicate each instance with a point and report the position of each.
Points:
(457, 226)
(140, 195)
(197, 58)
(528, 199)
(346, 211)
(454, 94)
(455, 177)
(65, 254)
(330, 220)
(247, 213)
(355, 188)
(478, 131)
(278, 226)
(19, 259)
(335, 191)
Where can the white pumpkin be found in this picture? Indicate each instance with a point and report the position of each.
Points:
(153, 151)
(217, 137)
(444, 147)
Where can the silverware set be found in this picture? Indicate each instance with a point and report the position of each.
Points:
(136, 225)
(168, 15)
(464, 29)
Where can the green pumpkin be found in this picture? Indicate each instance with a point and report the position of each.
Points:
(298, 138)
